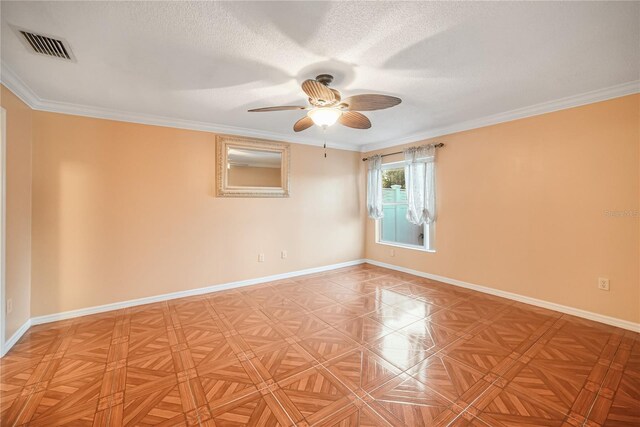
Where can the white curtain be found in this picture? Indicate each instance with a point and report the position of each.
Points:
(419, 175)
(374, 187)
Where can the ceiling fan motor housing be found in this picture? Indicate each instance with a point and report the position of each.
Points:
(325, 79)
(328, 107)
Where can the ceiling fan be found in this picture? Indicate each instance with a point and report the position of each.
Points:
(327, 106)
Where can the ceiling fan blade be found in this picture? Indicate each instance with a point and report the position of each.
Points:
(303, 124)
(318, 91)
(336, 94)
(370, 102)
(280, 108)
(354, 120)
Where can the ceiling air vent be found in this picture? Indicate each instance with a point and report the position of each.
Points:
(46, 45)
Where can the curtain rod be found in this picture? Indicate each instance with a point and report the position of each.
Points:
(364, 159)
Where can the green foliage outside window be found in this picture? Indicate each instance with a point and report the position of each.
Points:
(393, 177)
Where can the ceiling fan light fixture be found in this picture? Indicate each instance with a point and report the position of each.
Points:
(324, 116)
(328, 106)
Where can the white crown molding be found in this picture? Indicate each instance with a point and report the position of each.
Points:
(608, 320)
(22, 91)
(611, 92)
(12, 82)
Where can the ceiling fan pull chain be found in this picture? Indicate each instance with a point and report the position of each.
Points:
(324, 133)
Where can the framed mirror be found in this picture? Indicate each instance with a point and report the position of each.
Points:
(252, 168)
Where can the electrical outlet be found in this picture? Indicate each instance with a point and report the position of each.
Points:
(392, 252)
(260, 257)
(283, 254)
(9, 305)
(603, 283)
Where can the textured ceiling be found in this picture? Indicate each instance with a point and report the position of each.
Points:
(210, 62)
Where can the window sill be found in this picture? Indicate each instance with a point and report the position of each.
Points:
(400, 245)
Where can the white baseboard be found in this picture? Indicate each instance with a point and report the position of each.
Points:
(173, 295)
(241, 283)
(181, 294)
(620, 323)
(5, 347)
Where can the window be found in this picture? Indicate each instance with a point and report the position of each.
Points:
(393, 228)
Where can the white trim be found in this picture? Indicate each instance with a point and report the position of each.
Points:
(403, 246)
(232, 285)
(17, 86)
(604, 94)
(620, 323)
(165, 297)
(15, 337)
(181, 294)
(22, 91)
(3, 228)
(399, 164)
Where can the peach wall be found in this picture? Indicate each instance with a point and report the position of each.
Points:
(18, 209)
(123, 211)
(522, 207)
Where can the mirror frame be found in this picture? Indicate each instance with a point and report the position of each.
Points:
(223, 189)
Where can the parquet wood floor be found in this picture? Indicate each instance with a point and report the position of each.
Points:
(359, 346)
